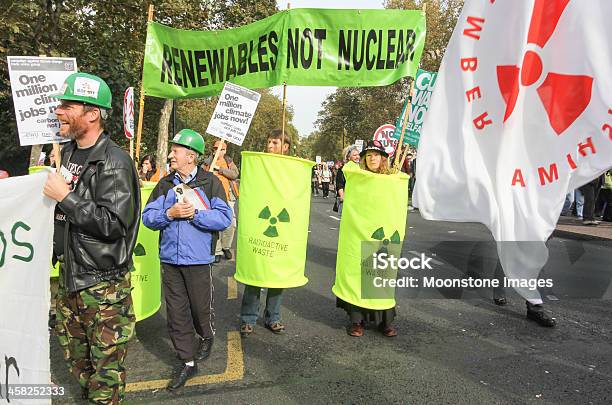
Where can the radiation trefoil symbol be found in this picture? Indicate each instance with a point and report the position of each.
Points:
(379, 234)
(282, 216)
(564, 96)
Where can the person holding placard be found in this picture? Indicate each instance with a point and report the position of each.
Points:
(96, 226)
(189, 208)
(227, 172)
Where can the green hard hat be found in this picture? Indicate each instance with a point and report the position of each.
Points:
(190, 139)
(86, 88)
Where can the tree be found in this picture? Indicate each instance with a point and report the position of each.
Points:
(107, 39)
(442, 17)
(361, 110)
(196, 114)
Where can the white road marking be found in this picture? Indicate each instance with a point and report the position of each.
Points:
(337, 219)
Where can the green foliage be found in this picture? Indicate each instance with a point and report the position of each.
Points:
(196, 114)
(107, 39)
(362, 110)
(441, 19)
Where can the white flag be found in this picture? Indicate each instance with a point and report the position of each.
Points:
(26, 238)
(522, 113)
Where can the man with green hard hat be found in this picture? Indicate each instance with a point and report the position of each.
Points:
(96, 225)
(189, 208)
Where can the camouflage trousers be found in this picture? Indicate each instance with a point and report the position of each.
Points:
(93, 327)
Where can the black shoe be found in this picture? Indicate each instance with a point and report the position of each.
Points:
(205, 348)
(180, 376)
(536, 313)
(499, 296)
(228, 254)
(218, 259)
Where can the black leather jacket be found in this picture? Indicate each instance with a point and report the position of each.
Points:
(102, 216)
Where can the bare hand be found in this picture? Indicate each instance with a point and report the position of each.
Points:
(56, 187)
(181, 210)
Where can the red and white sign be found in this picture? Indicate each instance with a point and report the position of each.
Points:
(384, 134)
(128, 112)
(511, 129)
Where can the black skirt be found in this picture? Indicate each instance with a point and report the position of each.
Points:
(381, 318)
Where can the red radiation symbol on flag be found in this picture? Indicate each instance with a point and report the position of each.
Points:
(564, 97)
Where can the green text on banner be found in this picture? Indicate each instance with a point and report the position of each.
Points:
(423, 88)
(303, 47)
(274, 216)
(26, 244)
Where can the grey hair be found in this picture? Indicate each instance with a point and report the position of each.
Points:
(350, 150)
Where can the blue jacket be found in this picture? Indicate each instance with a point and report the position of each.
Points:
(185, 242)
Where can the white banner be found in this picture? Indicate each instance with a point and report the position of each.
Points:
(359, 144)
(26, 237)
(521, 114)
(234, 112)
(128, 113)
(33, 79)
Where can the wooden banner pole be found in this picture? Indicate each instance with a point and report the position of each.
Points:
(398, 164)
(398, 150)
(142, 100)
(404, 157)
(216, 157)
(58, 157)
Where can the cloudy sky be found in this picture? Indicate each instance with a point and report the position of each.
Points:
(306, 100)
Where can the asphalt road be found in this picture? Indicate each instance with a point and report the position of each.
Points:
(460, 351)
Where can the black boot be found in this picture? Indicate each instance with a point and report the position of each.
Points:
(499, 296)
(180, 376)
(227, 254)
(536, 313)
(205, 348)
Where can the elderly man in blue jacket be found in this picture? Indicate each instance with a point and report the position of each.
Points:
(187, 247)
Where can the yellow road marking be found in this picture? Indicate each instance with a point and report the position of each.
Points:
(234, 369)
(232, 288)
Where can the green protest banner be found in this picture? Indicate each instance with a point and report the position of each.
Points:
(423, 88)
(373, 220)
(274, 216)
(303, 47)
(146, 283)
